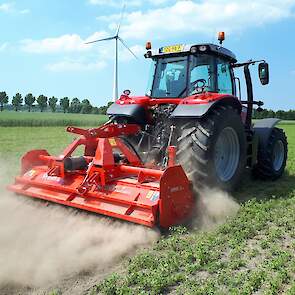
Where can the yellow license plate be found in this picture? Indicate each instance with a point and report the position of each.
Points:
(172, 48)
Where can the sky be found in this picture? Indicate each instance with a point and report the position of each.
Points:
(43, 50)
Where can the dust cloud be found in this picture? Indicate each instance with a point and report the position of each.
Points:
(42, 244)
(213, 207)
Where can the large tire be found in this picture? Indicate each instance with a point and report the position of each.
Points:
(271, 159)
(212, 149)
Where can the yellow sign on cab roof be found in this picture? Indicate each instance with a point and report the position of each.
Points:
(171, 49)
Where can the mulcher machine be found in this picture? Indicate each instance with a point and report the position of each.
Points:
(191, 129)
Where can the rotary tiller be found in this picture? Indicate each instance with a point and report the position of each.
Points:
(108, 179)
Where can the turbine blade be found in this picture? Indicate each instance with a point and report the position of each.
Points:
(125, 45)
(99, 40)
(121, 18)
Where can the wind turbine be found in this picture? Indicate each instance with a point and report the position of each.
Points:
(117, 38)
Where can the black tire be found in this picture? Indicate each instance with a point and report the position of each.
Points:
(197, 148)
(271, 160)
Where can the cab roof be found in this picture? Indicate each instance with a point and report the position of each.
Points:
(185, 49)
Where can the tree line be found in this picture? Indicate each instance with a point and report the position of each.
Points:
(66, 105)
(265, 113)
(43, 103)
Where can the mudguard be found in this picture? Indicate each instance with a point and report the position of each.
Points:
(191, 110)
(134, 111)
(201, 109)
(263, 129)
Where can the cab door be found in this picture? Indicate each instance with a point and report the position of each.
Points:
(225, 77)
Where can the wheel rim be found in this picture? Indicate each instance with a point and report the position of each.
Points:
(227, 154)
(278, 155)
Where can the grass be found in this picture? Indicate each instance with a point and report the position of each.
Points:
(36, 119)
(15, 141)
(250, 253)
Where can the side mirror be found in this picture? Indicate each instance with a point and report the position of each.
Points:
(263, 72)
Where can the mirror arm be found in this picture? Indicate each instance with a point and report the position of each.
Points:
(258, 103)
(239, 87)
(247, 63)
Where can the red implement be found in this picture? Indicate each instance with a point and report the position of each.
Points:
(108, 179)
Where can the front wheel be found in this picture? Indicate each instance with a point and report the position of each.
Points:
(272, 158)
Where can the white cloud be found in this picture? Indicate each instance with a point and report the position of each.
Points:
(129, 3)
(72, 65)
(3, 46)
(187, 16)
(25, 11)
(74, 43)
(125, 55)
(159, 2)
(96, 58)
(109, 18)
(115, 3)
(102, 57)
(10, 7)
(6, 7)
(64, 43)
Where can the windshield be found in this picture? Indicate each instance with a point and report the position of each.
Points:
(182, 76)
(170, 77)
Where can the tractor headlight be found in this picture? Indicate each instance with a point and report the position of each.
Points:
(148, 54)
(202, 48)
(194, 49)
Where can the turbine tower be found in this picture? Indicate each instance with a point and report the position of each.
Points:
(117, 38)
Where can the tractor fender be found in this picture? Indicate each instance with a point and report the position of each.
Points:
(262, 128)
(134, 111)
(199, 110)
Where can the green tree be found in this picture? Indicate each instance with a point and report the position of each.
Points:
(64, 104)
(17, 101)
(280, 114)
(290, 115)
(95, 111)
(86, 107)
(75, 106)
(103, 109)
(3, 100)
(30, 100)
(52, 103)
(42, 102)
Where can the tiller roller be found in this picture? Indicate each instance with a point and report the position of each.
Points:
(109, 179)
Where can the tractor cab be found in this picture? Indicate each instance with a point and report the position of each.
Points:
(196, 72)
(184, 70)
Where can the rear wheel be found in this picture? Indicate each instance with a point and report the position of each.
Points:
(212, 149)
(271, 160)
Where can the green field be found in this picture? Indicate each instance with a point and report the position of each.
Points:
(15, 141)
(36, 119)
(252, 252)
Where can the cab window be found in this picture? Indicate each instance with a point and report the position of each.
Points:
(170, 78)
(201, 69)
(224, 79)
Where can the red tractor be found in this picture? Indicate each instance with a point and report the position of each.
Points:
(194, 102)
(190, 128)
